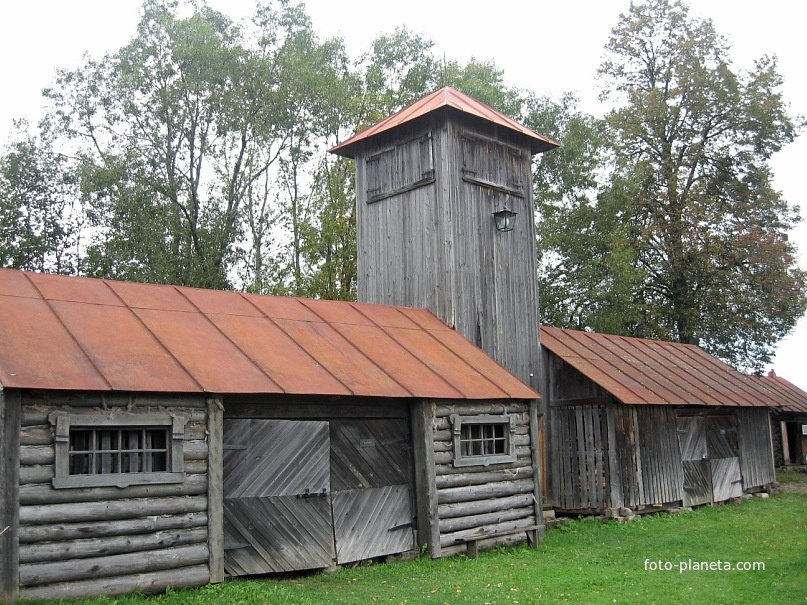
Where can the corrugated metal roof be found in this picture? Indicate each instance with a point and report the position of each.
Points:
(793, 398)
(75, 333)
(642, 371)
(445, 97)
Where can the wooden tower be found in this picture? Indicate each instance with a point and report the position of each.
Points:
(428, 182)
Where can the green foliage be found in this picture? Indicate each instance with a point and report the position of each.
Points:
(688, 241)
(39, 224)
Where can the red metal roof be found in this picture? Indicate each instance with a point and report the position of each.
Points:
(793, 398)
(641, 371)
(445, 97)
(75, 333)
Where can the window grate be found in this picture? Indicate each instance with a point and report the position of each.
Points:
(114, 451)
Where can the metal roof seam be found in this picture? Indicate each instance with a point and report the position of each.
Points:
(153, 335)
(682, 378)
(230, 340)
(362, 353)
(69, 333)
(473, 369)
(585, 345)
(303, 349)
(388, 333)
(738, 385)
(643, 369)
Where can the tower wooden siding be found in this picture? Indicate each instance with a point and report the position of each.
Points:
(426, 193)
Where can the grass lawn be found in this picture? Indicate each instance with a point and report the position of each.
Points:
(588, 562)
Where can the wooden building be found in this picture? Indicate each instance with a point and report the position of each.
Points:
(644, 424)
(445, 221)
(788, 421)
(157, 436)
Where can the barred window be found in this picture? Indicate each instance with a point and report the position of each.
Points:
(120, 449)
(108, 451)
(483, 439)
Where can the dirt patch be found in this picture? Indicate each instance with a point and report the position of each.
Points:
(792, 481)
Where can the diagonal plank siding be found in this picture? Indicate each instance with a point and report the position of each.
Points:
(372, 522)
(268, 526)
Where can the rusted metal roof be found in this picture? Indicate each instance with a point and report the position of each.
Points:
(642, 371)
(451, 98)
(75, 333)
(792, 398)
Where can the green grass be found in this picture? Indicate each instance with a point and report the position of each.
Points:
(588, 561)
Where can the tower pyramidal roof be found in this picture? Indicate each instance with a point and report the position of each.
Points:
(446, 97)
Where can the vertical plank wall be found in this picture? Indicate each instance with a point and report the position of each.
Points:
(110, 540)
(430, 241)
(477, 503)
(756, 449)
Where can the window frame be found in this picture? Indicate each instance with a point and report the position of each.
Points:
(509, 423)
(63, 422)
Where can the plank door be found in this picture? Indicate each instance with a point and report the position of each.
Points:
(724, 457)
(372, 500)
(695, 460)
(277, 507)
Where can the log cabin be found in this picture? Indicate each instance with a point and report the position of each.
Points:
(157, 436)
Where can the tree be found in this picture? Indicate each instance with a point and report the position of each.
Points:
(40, 225)
(699, 231)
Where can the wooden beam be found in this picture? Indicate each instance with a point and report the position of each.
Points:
(535, 446)
(9, 494)
(215, 489)
(615, 497)
(425, 485)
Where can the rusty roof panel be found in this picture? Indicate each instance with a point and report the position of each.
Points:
(642, 371)
(336, 311)
(158, 297)
(40, 351)
(480, 362)
(412, 373)
(282, 307)
(463, 377)
(385, 316)
(121, 348)
(343, 361)
(59, 332)
(16, 283)
(219, 301)
(80, 289)
(213, 360)
(445, 97)
(791, 398)
(294, 370)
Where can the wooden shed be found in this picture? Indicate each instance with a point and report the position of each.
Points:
(644, 424)
(788, 420)
(157, 436)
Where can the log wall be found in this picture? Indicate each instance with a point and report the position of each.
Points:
(493, 504)
(82, 542)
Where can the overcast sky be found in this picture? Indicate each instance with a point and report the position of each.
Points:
(546, 47)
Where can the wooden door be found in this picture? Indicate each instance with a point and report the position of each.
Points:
(695, 460)
(724, 457)
(370, 471)
(277, 506)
